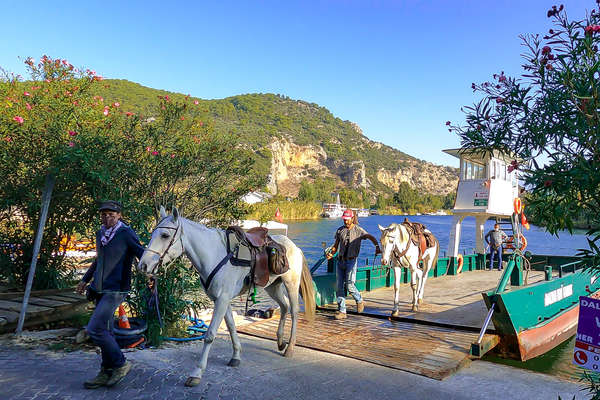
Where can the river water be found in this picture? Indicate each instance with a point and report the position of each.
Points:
(309, 236)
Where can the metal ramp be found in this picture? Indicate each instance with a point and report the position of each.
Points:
(432, 351)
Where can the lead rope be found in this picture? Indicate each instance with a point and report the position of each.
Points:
(152, 301)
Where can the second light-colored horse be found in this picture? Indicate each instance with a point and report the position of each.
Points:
(206, 248)
(395, 241)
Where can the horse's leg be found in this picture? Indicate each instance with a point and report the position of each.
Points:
(397, 275)
(292, 287)
(278, 293)
(416, 277)
(426, 268)
(235, 340)
(221, 306)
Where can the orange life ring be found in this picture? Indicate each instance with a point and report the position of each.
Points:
(460, 263)
(524, 221)
(518, 207)
(509, 244)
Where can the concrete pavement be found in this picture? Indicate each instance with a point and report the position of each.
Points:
(32, 371)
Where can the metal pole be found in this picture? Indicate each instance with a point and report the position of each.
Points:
(46, 196)
(488, 318)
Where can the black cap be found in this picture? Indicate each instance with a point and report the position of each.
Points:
(110, 205)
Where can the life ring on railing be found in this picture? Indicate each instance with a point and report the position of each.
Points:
(460, 263)
(509, 244)
(517, 205)
(524, 221)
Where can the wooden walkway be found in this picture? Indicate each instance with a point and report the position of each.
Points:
(434, 342)
(435, 352)
(44, 306)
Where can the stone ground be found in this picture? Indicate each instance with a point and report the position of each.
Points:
(29, 369)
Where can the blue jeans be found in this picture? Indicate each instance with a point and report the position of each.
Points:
(100, 329)
(492, 254)
(346, 276)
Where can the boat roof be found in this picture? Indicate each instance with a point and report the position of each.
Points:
(481, 155)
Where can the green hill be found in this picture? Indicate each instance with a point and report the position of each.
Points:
(259, 119)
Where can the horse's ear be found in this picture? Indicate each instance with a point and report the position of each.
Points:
(381, 228)
(175, 213)
(163, 212)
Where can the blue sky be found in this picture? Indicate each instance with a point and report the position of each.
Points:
(399, 69)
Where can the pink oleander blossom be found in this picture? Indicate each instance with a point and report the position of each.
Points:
(129, 113)
(71, 144)
(116, 104)
(28, 106)
(196, 102)
(26, 94)
(18, 119)
(72, 133)
(148, 148)
(105, 112)
(155, 153)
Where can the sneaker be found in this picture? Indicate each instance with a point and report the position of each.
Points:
(340, 315)
(360, 307)
(118, 374)
(100, 380)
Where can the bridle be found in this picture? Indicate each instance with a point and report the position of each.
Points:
(396, 251)
(173, 239)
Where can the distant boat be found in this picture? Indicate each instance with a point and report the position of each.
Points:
(361, 212)
(438, 212)
(374, 212)
(333, 210)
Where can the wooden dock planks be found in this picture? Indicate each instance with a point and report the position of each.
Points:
(44, 306)
(435, 352)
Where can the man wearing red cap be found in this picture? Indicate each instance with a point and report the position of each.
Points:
(347, 243)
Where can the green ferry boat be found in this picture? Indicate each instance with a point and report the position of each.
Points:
(526, 319)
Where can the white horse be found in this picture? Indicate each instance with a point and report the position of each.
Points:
(398, 250)
(206, 249)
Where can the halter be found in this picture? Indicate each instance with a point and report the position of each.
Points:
(162, 256)
(396, 252)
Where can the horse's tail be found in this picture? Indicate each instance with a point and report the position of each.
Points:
(307, 291)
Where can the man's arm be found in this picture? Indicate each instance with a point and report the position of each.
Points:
(86, 278)
(487, 237)
(134, 244)
(334, 248)
(373, 240)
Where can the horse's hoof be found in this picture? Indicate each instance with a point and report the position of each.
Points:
(192, 381)
(289, 352)
(281, 346)
(395, 313)
(234, 362)
(415, 308)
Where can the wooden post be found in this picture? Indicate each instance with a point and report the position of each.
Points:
(46, 196)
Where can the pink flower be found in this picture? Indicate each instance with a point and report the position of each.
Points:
(148, 148)
(196, 102)
(167, 98)
(155, 153)
(18, 119)
(75, 103)
(71, 144)
(201, 123)
(116, 104)
(182, 118)
(129, 113)
(26, 94)
(72, 133)
(172, 155)
(105, 112)
(28, 106)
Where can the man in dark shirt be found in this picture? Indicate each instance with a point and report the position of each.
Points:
(347, 243)
(495, 239)
(116, 247)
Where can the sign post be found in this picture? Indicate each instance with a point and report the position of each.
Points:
(586, 353)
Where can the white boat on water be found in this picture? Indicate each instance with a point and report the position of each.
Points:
(361, 212)
(333, 210)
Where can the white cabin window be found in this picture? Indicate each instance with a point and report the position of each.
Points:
(473, 170)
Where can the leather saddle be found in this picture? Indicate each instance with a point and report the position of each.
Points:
(420, 236)
(259, 252)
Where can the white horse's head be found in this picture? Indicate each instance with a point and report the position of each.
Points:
(166, 243)
(391, 236)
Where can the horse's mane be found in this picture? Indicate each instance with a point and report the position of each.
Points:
(197, 225)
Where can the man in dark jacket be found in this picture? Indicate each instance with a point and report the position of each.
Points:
(347, 243)
(116, 247)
